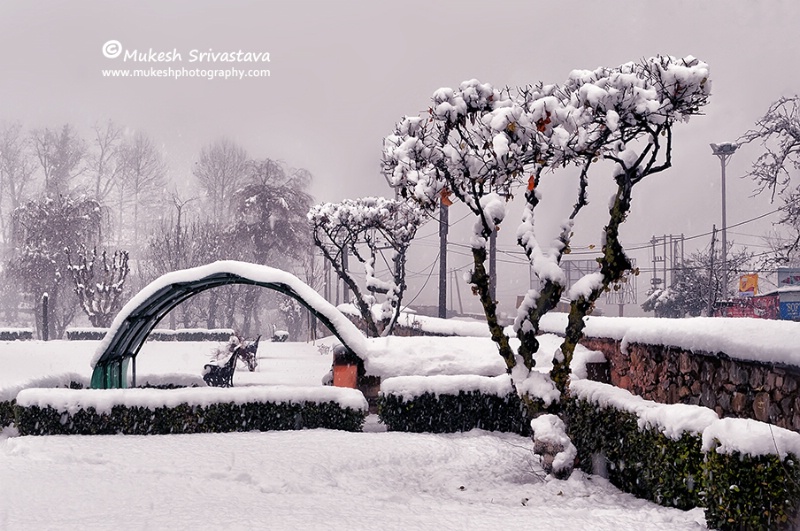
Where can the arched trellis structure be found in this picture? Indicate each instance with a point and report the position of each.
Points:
(118, 350)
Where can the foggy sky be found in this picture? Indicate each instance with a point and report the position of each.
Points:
(343, 73)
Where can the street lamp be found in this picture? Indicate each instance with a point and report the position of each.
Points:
(724, 152)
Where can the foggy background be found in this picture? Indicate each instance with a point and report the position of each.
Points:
(343, 73)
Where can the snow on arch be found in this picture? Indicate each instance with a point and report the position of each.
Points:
(140, 315)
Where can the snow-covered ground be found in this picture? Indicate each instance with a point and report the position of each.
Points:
(312, 479)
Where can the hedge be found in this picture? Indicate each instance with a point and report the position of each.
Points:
(16, 334)
(738, 490)
(183, 334)
(486, 407)
(206, 411)
(644, 462)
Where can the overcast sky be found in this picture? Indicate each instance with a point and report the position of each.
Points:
(343, 73)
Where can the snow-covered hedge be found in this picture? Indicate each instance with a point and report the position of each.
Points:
(189, 410)
(183, 334)
(16, 334)
(445, 404)
(8, 395)
(745, 473)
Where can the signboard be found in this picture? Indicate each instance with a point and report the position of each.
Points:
(790, 311)
(788, 276)
(748, 285)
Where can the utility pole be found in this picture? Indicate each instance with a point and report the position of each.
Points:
(444, 222)
(724, 152)
(493, 265)
(458, 292)
(711, 288)
(345, 289)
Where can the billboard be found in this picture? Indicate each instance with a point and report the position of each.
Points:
(790, 311)
(788, 277)
(748, 285)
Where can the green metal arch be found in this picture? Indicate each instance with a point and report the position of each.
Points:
(111, 368)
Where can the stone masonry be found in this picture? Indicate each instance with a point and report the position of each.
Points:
(733, 388)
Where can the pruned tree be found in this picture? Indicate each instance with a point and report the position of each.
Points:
(482, 145)
(99, 284)
(774, 171)
(363, 228)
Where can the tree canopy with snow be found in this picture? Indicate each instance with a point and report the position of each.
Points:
(362, 228)
(778, 132)
(483, 145)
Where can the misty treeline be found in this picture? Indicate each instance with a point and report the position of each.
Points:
(88, 217)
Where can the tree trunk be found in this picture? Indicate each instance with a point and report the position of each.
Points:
(480, 281)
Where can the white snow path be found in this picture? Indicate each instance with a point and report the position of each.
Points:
(304, 480)
(315, 479)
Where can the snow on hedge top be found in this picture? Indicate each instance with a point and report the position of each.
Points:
(750, 437)
(743, 338)
(673, 420)
(425, 356)
(431, 325)
(345, 330)
(411, 387)
(10, 392)
(103, 400)
(725, 436)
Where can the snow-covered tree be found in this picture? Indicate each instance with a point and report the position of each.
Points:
(697, 285)
(99, 283)
(776, 170)
(482, 145)
(43, 230)
(362, 228)
(269, 212)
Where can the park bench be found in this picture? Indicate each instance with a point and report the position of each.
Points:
(222, 375)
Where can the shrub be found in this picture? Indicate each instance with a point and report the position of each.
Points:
(198, 410)
(745, 473)
(16, 334)
(412, 403)
(644, 462)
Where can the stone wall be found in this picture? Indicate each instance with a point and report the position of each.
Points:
(732, 388)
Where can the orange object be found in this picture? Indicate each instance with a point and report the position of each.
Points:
(345, 376)
(531, 183)
(445, 195)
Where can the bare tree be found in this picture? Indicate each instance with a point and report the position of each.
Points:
(61, 155)
(778, 132)
(104, 162)
(143, 180)
(16, 170)
(220, 171)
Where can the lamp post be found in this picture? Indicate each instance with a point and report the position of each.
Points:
(724, 152)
